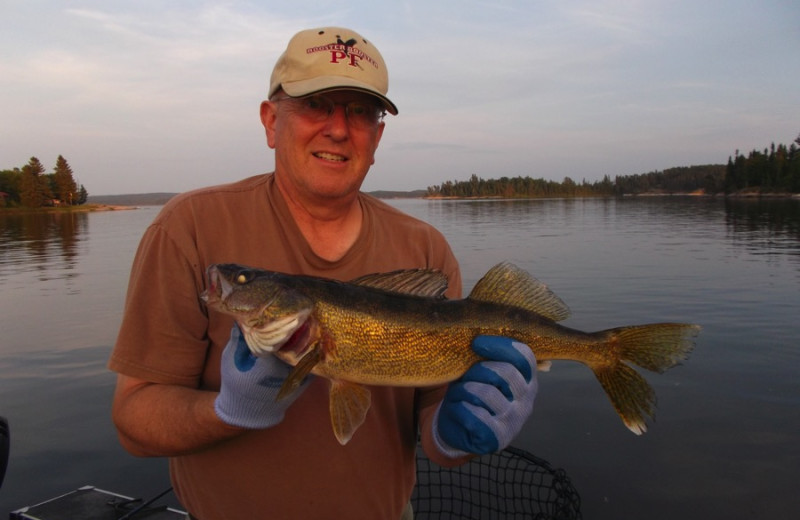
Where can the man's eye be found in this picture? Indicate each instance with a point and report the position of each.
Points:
(315, 104)
(358, 109)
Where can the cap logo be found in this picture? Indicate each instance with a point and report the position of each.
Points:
(344, 51)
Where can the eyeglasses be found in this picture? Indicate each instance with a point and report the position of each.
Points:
(360, 114)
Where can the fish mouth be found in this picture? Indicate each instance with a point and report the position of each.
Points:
(218, 288)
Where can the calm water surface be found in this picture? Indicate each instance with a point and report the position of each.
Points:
(727, 440)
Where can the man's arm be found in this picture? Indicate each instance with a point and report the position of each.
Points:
(157, 420)
(167, 420)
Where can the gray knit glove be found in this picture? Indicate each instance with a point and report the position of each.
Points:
(250, 385)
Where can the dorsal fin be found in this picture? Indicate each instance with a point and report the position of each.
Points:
(507, 284)
(418, 282)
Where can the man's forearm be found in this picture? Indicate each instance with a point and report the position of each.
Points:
(155, 420)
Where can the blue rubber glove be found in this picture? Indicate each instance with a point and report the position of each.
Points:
(485, 409)
(250, 385)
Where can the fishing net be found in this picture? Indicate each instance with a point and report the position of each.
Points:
(509, 484)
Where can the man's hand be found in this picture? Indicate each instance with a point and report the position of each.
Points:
(485, 409)
(250, 385)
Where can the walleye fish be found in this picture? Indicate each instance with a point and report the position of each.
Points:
(397, 329)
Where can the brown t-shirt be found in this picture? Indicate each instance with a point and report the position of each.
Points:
(296, 469)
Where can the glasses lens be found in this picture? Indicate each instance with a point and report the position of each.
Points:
(317, 108)
(360, 114)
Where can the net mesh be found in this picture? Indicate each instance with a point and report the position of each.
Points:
(505, 485)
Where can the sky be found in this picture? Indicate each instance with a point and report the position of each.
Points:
(163, 96)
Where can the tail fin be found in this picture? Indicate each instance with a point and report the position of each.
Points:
(632, 396)
(656, 347)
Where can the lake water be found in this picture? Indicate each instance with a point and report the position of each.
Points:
(727, 440)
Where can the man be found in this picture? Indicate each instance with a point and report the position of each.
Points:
(189, 389)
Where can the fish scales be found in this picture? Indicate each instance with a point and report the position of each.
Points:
(380, 352)
(425, 348)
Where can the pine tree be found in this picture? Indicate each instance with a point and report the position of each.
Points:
(32, 193)
(66, 188)
(83, 195)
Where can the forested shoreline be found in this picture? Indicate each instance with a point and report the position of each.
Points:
(30, 187)
(773, 171)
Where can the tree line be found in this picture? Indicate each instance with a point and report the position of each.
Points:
(775, 170)
(31, 187)
(510, 187)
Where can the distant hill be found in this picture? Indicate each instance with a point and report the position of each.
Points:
(157, 199)
(382, 194)
(132, 199)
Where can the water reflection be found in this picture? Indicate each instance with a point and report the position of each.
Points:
(764, 226)
(760, 226)
(48, 244)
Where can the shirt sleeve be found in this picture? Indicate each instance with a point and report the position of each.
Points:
(164, 333)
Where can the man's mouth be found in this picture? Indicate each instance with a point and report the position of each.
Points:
(330, 156)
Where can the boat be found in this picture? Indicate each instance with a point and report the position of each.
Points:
(91, 503)
(511, 483)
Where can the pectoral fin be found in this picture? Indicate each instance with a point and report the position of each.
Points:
(349, 403)
(300, 371)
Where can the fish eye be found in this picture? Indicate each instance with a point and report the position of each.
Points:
(244, 276)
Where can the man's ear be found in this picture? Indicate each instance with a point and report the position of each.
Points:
(378, 136)
(268, 113)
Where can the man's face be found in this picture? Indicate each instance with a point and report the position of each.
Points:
(320, 156)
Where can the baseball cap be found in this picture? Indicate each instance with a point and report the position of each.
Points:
(331, 58)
